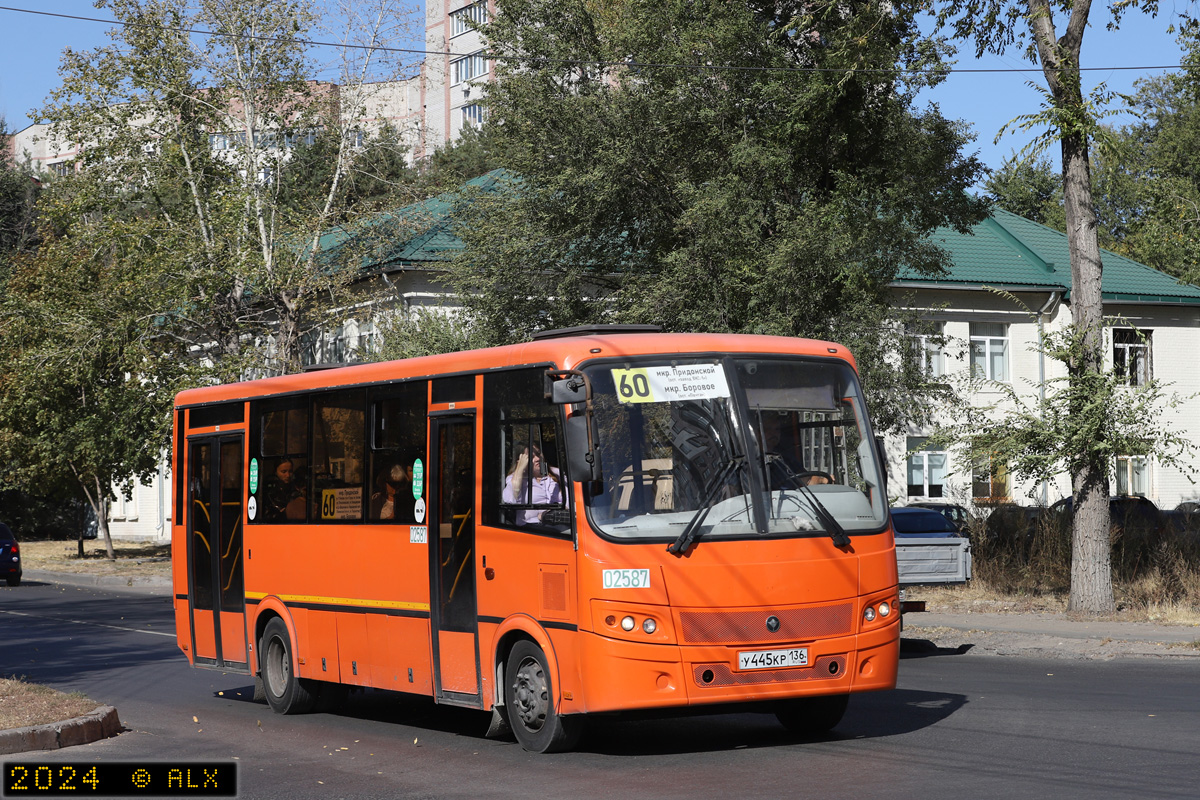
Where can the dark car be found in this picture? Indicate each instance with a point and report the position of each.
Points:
(957, 515)
(1125, 511)
(921, 523)
(10, 556)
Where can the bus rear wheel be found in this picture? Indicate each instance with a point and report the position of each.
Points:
(286, 692)
(812, 716)
(529, 702)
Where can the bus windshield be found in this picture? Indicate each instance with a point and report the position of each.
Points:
(733, 446)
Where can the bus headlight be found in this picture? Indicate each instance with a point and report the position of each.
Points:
(649, 626)
(884, 609)
(869, 614)
(627, 623)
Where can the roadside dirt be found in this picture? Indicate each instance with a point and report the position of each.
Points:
(134, 559)
(23, 704)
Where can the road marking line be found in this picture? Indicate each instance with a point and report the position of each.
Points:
(85, 622)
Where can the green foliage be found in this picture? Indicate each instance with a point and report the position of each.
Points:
(18, 204)
(1149, 191)
(86, 385)
(1029, 189)
(426, 332)
(715, 178)
(199, 136)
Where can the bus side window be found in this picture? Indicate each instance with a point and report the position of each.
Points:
(525, 485)
(281, 439)
(398, 420)
(338, 456)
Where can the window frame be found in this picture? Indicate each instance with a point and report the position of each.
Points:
(922, 451)
(1126, 469)
(468, 68)
(1139, 341)
(461, 19)
(988, 341)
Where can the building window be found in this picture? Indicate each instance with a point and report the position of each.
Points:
(1133, 475)
(989, 350)
(1131, 356)
(472, 115)
(989, 481)
(464, 69)
(62, 168)
(927, 348)
(462, 20)
(926, 468)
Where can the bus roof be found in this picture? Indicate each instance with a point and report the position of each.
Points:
(565, 352)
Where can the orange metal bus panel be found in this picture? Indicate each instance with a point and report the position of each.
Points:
(457, 654)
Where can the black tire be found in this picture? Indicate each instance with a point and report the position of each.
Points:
(812, 716)
(286, 692)
(529, 703)
(13, 580)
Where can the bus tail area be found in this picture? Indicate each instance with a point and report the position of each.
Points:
(595, 522)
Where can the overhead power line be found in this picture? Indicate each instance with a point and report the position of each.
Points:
(583, 62)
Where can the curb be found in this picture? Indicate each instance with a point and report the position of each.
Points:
(99, 724)
(137, 584)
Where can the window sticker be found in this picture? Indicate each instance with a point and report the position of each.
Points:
(666, 384)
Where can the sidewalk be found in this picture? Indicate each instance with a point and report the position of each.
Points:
(143, 585)
(1047, 635)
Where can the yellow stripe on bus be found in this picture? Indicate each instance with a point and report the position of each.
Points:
(342, 601)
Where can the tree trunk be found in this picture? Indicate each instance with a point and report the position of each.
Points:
(1091, 548)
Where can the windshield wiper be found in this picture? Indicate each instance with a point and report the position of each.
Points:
(827, 520)
(691, 531)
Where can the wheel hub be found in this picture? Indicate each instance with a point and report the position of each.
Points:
(532, 694)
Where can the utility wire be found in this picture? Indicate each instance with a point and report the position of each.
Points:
(582, 62)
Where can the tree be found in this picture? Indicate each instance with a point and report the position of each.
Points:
(1148, 186)
(713, 166)
(1029, 189)
(18, 203)
(199, 135)
(1051, 34)
(85, 389)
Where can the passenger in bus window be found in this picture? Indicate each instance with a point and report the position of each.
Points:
(393, 499)
(285, 499)
(532, 482)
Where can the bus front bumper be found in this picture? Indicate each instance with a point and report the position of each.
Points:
(622, 675)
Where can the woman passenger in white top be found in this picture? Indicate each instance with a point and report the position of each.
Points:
(532, 482)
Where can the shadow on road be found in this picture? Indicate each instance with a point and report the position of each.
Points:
(871, 715)
(923, 648)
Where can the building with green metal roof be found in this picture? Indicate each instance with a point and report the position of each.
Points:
(1010, 280)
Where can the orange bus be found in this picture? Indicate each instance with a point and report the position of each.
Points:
(602, 519)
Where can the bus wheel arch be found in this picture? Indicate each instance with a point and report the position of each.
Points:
(531, 701)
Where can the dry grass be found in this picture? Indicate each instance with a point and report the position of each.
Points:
(134, 559)
(23, 704)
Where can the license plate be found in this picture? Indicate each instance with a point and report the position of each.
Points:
(773, 659)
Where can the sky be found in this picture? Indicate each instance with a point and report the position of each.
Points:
(30, 46)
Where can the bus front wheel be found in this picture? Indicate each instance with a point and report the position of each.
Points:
(286, 692)
(812, 716)
(529, 702)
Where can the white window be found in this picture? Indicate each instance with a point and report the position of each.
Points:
(1131, 355)
(472, 115)
(62, 168)
(464, 69)
(461, 20)
(928, 350)
(989, 481)
(989, 350)
(1133, 475)
(926, 468)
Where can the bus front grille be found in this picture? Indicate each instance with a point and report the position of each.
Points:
(748, 627)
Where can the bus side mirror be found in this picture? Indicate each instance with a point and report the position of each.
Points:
(568, 391)
(582, 461)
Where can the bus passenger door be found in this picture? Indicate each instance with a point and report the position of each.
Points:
(216, 598)
(453, 613)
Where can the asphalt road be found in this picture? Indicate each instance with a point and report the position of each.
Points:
(959, 725)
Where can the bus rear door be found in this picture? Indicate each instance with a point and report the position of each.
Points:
(453, 612)
(216, 595)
